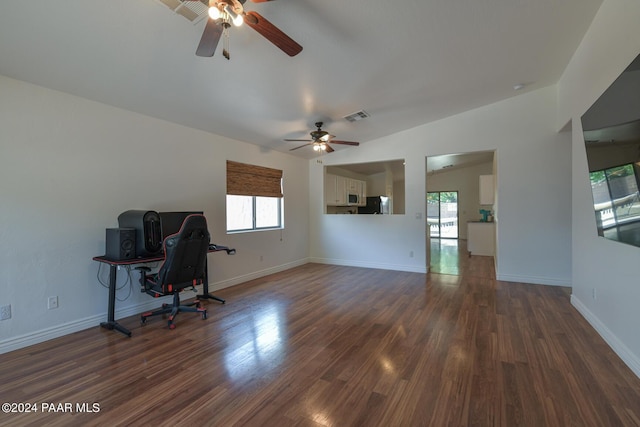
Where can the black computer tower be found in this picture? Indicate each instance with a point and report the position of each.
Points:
(148, 230)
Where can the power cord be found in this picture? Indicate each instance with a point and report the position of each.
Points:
(129, 281)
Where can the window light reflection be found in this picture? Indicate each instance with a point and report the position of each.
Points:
(265, 348)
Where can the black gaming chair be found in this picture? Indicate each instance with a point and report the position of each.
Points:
(184, 267)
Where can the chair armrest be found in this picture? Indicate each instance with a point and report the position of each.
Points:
(143, 278)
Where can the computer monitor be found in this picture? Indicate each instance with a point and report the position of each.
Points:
(172, 221)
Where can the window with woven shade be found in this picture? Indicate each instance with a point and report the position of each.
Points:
(254, 197)
(250, 180)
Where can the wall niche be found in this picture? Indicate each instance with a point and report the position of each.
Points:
(365, 188)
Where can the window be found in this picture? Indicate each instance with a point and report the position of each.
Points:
(254, 197)
(616, 200)
(246, 213)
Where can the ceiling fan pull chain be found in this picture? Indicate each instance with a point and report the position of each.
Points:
(225, 43)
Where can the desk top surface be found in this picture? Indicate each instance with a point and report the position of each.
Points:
(138, 260)
(152, 258)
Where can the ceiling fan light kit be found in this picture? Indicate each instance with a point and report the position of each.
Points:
(320, 140)
(220, 15)
(225, 14)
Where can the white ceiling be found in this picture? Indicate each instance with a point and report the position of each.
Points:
(448, 162)
(406, 62)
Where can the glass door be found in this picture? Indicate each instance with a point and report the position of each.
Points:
(442, 214)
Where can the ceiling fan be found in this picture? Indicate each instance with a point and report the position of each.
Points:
(320, 140)
(222, 13)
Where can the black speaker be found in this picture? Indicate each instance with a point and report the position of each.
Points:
(121, 243)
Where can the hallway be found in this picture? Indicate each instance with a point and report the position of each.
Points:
(449, 256)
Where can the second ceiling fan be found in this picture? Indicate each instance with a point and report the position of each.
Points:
(320, 140)
(222, 13)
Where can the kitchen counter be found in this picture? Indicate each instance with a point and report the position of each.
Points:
(481, 238)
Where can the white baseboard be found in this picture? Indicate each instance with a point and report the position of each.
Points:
(256, 274)
(627, 356)
(535, 280)
(46, 334)
(56, 331)
(382, 266)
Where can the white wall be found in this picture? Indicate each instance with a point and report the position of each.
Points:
(533, 186)
(466, 181)
(608, 267)
(69, 167)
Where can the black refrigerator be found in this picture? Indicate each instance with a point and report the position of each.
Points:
(377, 205)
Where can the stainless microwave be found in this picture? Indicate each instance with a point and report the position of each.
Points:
(354, 199)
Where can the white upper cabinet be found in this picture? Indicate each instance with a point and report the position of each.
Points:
(335, 190)
(487, 190)
(338, 188)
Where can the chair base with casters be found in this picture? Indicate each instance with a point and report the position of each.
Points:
(184, 267)
(148, 286)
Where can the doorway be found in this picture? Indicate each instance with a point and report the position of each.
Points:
(442, 214)
(445, 238)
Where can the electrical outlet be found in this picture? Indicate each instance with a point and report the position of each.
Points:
(52, 302)
(5, 312)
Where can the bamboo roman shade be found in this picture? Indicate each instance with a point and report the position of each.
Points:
(250, 180)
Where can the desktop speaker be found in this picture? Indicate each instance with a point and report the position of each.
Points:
(121, 243)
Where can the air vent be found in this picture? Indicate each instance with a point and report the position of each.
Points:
(194, 11)
(358, 115)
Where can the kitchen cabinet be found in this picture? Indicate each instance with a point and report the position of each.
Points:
(353, 186)
(358, 188)
(487, 190)
(337, 189)
(481, 238)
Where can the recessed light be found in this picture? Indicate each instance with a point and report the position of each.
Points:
(518, 86)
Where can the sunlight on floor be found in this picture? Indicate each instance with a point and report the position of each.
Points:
(448, 256)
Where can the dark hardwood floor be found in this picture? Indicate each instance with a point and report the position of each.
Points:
(323, 345)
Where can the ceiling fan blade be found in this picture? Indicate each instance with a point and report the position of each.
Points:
(272, 33)
(329, 149)
(333, 141)
(210, 38)
(305, 140)
(301, 146)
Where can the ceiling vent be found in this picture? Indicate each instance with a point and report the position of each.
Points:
(358, 115)
(194, 11)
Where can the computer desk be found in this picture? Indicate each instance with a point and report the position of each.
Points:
(111, 323)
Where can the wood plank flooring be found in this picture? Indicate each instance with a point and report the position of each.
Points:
(322, 345)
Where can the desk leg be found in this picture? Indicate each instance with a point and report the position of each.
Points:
(205, 288)
(111, 324)
(207, 295)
